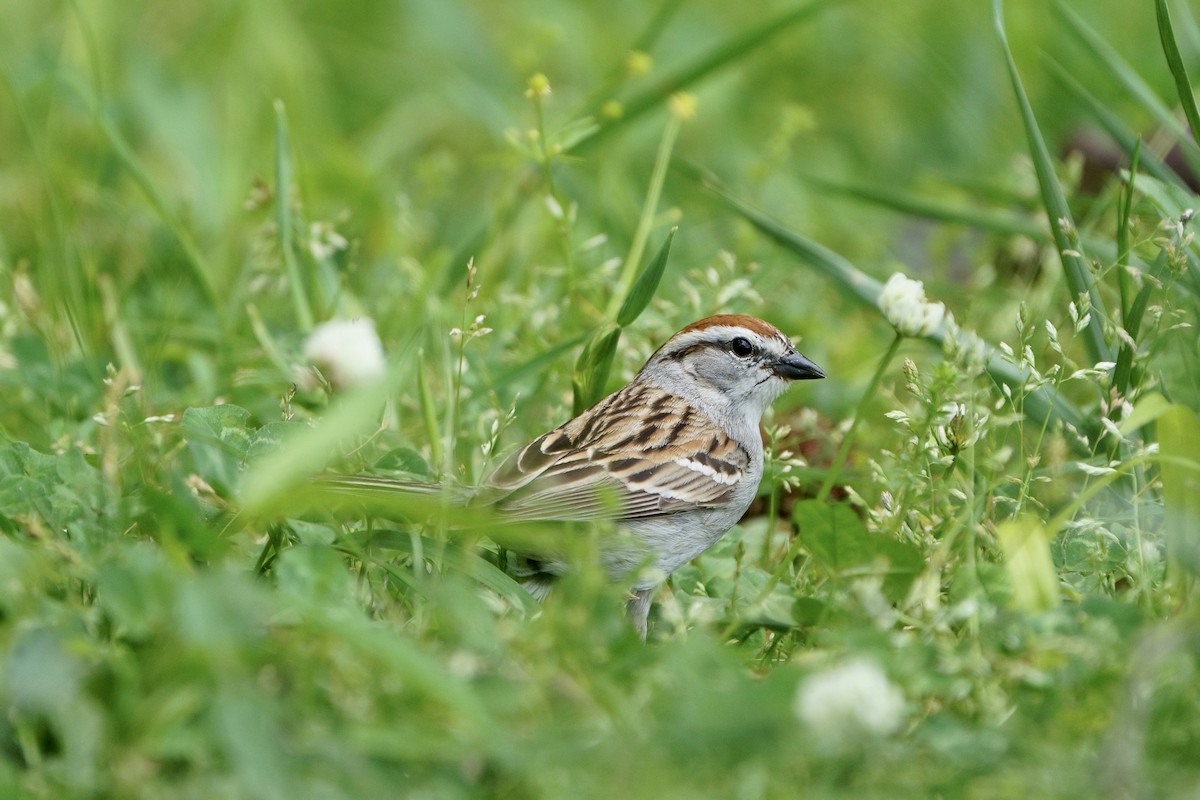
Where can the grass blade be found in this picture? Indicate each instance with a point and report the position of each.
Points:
(715, 59)
(200, 267)
(644, 287)
(458, 559)
(1113, 125)
(1183, 86)
(994, 221)
(1129, 79)
(283, 218)
(1075, 266)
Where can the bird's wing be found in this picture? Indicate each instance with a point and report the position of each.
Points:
(638, 453)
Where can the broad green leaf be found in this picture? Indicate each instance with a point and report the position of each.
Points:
(316, 572)
(840, 542)
(218, 438)
(1179, 445)
(1148, 408)
(644, 287)
(1026, 547)
(406, 460)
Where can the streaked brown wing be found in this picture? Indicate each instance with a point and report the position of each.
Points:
(576, 471)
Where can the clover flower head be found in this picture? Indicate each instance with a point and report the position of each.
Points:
(849, 700)
(348, 351)
(904, 305)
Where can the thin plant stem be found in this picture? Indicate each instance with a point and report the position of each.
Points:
(843, 451)
(646, 220)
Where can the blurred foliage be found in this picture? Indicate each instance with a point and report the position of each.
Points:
(186, 189)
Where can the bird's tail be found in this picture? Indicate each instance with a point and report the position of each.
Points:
(404, 495)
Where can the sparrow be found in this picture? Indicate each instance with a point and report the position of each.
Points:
(674, 457)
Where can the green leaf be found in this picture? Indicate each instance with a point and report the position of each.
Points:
(593, 366)
(1179, 445)
(840, 542)
(647, 282)
(1148, 408)
(316, 572)
(218, 438)
(405, 460)
(1026, 547)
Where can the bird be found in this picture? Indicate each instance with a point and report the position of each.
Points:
(674, 457)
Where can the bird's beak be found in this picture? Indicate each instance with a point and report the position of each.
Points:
(796, 367)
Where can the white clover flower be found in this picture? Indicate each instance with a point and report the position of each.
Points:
(348, 351)
(850, 699)
(904, 305)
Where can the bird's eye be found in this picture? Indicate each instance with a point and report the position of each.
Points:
(741, 347)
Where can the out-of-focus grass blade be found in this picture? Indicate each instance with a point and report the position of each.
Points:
(1112, 124)
(1079, 277)
(1129, 78)
(720, 56)
(593, 366)
(1179, 444)
(994, 221)
(1149, 408)
(1183, 86)
(646, 284)
(283, 218)
(1042, 403)
(844, 275)
(201, 270)
(643, 44)
(1030, 568)
(538, 364)
(429, 414)
(268, 486)
(458, 559)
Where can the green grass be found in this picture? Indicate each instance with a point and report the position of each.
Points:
(987, 534)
